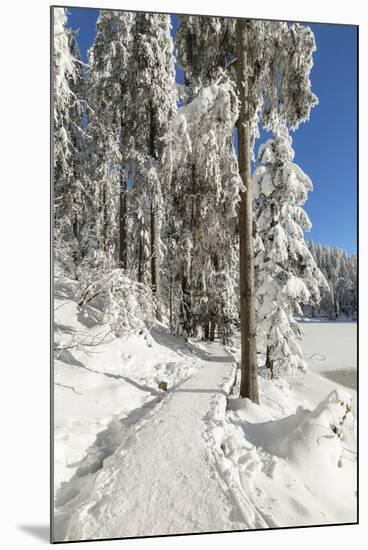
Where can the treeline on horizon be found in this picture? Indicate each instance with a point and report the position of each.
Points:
(341, 273)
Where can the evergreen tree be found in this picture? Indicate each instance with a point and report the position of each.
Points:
(205, 190)
(205, 47)
(109, 98)
(287, 274)
(68, 145)
(151, 108)
(272, 61)
(208, 178)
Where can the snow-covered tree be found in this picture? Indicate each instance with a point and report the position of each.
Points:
(209, 177)
(205, 46)
(132, 98)
(287, 274)
(152, 106)
(272, 61)
(69, 145)
(205, 190)
(108, 98)
(279, 60)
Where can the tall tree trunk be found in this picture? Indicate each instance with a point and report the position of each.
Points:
(105, 214)
(212, 329)
(186, 305)
(140, 255)
(76, 244)
(155, 226)
(155, 260)
(248, 363)
(171, 304)
(207, 330)
(269, 362)
(123, 245)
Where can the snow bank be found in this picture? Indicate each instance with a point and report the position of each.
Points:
(316, 436)
(288, 465)
(294, 456)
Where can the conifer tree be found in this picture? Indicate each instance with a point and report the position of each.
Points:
(68, 145)
(208, 178)
(286, 271)
(272, 61)
(205, 189)
(151, 108)
(108, 99)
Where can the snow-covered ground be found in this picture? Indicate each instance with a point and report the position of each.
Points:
(294, 456)
(132, 459)
(162, 478)
(104, 384)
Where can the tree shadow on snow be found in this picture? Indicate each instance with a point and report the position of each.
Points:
(117, 432)
(141, 387)
(200, 390)
(261, 434)
(182, 347)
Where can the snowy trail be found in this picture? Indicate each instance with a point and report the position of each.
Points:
(163, 477)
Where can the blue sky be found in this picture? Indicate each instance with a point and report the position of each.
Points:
(325, 146)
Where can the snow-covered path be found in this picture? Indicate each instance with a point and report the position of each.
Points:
(162, 478)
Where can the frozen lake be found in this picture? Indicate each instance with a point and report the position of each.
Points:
(330, 350)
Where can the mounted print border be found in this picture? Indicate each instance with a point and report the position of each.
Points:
(204, 375)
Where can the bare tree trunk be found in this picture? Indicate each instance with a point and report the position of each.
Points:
(140, 255)
(206, 330)
(105, 214)
(76, 254)
(123, 245)
(212, 329)
(155, 261)
(248, 362)
(155, 226)
(171, 304)
(185, 305)
(269, 363)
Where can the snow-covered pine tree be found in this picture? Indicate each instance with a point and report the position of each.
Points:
(151, 108)
(204, 180)
(286, 271)
(272, 61)
(69, 146)
(79, 146)
(205, 191)
(108, 99)
(205, 47)
(272, 70)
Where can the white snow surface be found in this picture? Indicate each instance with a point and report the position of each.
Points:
(162, 478)
(294, 456)
(330, 350)
(98, 386)
(133, 460)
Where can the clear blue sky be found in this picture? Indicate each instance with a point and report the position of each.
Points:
(326, 146)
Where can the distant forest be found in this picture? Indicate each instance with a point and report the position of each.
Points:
(340, 271)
